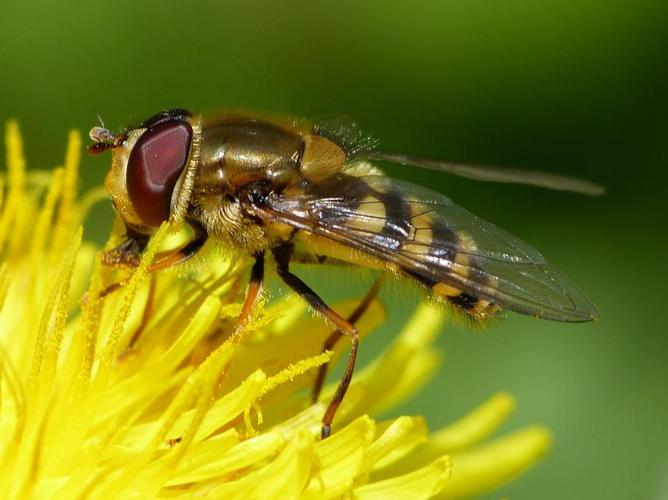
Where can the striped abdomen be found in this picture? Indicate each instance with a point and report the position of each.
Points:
(439, 247)
(373, 222)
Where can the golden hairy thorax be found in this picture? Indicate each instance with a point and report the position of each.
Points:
(237, 149)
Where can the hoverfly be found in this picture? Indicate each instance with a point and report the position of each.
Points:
(305, 191)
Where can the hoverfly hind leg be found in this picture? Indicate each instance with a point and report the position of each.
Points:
(336, 335)
(282, 256)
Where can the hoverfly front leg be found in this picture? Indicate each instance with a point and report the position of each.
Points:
(128, 253)
(336, 335)
(164, 260)
(282, 255)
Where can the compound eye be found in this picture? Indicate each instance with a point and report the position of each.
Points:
(168, 114)
(156, 161)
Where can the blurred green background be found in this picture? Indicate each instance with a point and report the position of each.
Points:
(577, 87)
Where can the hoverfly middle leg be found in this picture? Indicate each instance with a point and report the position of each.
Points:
(282, 256)
(252, 293)
(336, 335)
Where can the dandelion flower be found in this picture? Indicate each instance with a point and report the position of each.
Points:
(141, 393)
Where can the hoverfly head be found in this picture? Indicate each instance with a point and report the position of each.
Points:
(147, 162)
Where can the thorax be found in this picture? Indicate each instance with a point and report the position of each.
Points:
(236, 151)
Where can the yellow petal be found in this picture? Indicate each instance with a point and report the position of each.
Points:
(422, 483)
(485, 468)
(340, 459)
(400, 438)
(143, 383)
(284, 478)
(208, 459)
(44, 221)
(474, 427)
(16, 166)
(462, 434)
(82, 272)
(221, 412)
(153, 477)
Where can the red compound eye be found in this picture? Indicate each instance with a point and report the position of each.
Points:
(154, 166)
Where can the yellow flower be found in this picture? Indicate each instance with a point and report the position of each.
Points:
(141, 393)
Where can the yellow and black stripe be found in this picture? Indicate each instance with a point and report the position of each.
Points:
(380, 227)
(434, 241)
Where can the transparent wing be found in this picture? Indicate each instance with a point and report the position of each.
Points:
(346, 133)
(495, 174)
(430, 238)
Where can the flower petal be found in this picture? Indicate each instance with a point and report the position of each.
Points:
(474, 427)
(208, 459)
(340, 459)
(465, 432)
(485, 468)
(285, 477)
(400, 438)
(422, 483)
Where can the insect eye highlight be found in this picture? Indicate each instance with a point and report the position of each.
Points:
(154, 166)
